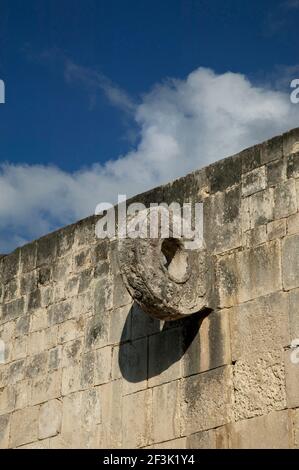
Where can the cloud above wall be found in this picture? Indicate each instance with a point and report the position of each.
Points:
(182, 125)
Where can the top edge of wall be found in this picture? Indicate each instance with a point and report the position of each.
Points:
(217, 176)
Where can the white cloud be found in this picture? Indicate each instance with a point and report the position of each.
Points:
(95, 81)
(183, 125)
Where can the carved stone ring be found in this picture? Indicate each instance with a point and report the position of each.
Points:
(167, 280)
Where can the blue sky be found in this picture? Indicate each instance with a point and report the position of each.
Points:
(90, 82)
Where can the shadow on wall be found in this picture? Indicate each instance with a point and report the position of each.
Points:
(149, 346)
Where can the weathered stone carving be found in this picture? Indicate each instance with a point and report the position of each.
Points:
(163, 277)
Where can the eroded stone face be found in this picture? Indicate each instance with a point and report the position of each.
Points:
(85, 365)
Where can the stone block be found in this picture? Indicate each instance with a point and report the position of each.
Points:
(87, 369)
(165, 353)
(249, 273)
(37, 365)
(137, 417)
(100, 252)
(207, 400)
(39, 320)
(276, 229)
(115, 371)
(84, 304)
(261, 206)
(85, 232)
(58, 442)
(97, 330)
(103, 365)
(22, 325)
(224, 173)
(59, 294)
(112, 257)
(47, 296)
(218, 438)
(133, 363)
(245, 218)
(142, 323)
(34, 300)
(46, 387)
(72, 353)
(85, 279)
(166, 412)
(61, 268)
(49, 419)
(24, 426)
(20, 346)
(293, 224)
(13, 310)
(70, 330)
(251, 158)
(82, 259)
(55, 358)
(44, 276)
(11, 290)
(81, 413)
(4, 431)
(290, 262)
(28, 257)
(222, 226)
(72, 286)
(71, 379)
(272, 149)
(120, 325)
(259, 384)
(65, 240)
(293, 165)
(16, 371)
(276, 172)
(272, 431)
(110, 432)
(254, 181)
(36, 342)
(46, 249)
(295, 417)
(23, 394)
(202, 440)
(290, 139)
(7, 399)
(10, 265)
(51, 336)
(195, 185)
(102, 296)
(294, 314)
(260, 326)
(59, 312)
(121, 295)
(291, 357)
(102, 270)
(285, 200)
(256, 236)
(210, 348)
(7, 332)
(4, 370)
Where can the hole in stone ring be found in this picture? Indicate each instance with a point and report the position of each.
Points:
(174, 259)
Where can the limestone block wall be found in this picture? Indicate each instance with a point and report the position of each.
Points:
(85, 367)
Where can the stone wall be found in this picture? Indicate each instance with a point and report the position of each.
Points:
(85, 367)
